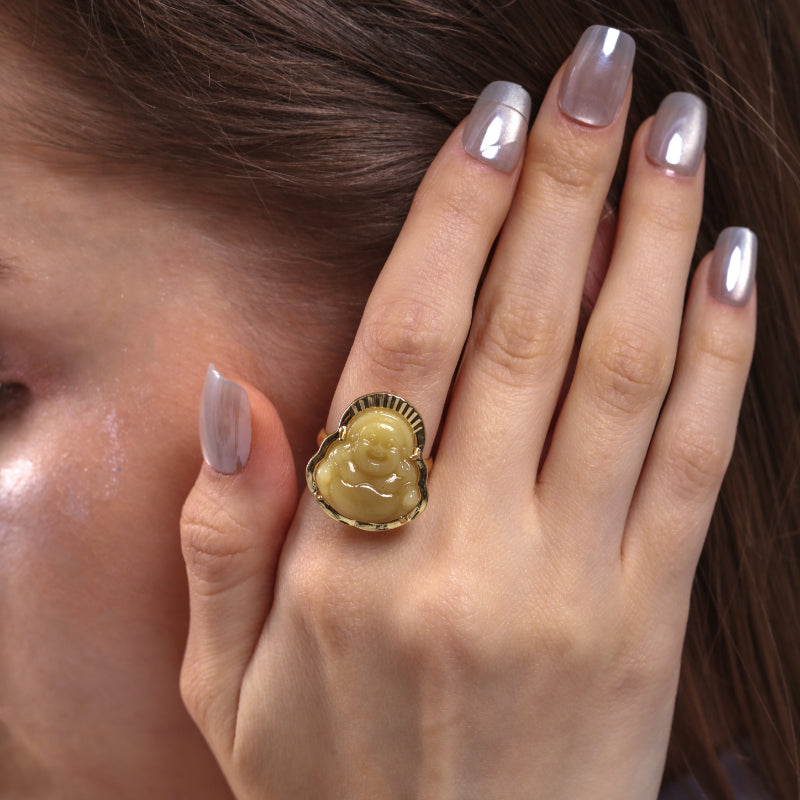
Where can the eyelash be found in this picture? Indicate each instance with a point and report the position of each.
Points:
(13, 398)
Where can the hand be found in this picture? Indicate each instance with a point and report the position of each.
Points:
(522, 637)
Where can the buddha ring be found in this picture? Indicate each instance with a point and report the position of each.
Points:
(370, 473)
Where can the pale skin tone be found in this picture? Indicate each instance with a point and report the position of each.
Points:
(99, 320)
(523, 634)
(99, 323)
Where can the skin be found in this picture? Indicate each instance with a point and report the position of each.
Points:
(522, 637)
(376, 650)
(98, 325)
(99, 322)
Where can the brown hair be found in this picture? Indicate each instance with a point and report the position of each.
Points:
(322, 116)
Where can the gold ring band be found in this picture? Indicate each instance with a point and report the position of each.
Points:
(370, 472)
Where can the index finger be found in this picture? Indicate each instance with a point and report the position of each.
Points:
(419, 312)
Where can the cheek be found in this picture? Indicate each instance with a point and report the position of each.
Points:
(99, 479)
(92, 594)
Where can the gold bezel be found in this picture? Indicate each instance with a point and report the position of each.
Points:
(374, 400)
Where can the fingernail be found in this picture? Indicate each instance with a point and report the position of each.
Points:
(678, 134)
(225, 431)
(497, 127)
(594, 83)
(733, 266)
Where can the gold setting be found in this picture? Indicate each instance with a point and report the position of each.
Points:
(330, 444)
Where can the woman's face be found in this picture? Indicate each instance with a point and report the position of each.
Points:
(111, 307)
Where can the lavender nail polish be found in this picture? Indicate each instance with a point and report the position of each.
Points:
(225, 429)
(678, 134)
(497, 127)
(594, 82)
(733, 266)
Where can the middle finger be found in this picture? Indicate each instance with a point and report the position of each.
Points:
(527, 313)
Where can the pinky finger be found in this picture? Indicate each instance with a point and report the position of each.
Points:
(694, 439)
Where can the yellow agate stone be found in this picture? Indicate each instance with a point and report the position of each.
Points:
(370, 473)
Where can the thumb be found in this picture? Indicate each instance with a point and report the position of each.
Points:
(232, 529)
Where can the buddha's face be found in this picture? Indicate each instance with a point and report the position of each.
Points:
(382, 440)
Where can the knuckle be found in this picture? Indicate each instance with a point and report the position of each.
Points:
(569, 167)
(696, 459)
(644, 662)
(627, 368)
(519, 338)
(194, 690)
(639, 671)
(670, 215)
(211, 538)
(718, 350)
(408, 335)
(442, 627)
(452, 203)
(329, 605)
(199, 689)
(460, 209)
(451, 213)
(568, 633)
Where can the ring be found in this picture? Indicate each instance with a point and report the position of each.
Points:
(370, 473)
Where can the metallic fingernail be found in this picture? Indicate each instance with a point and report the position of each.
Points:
(678, 134)
(225, 430)
(497, 127)
(595, 80)
(733, 266)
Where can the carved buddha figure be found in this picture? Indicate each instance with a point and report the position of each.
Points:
(370, 474)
